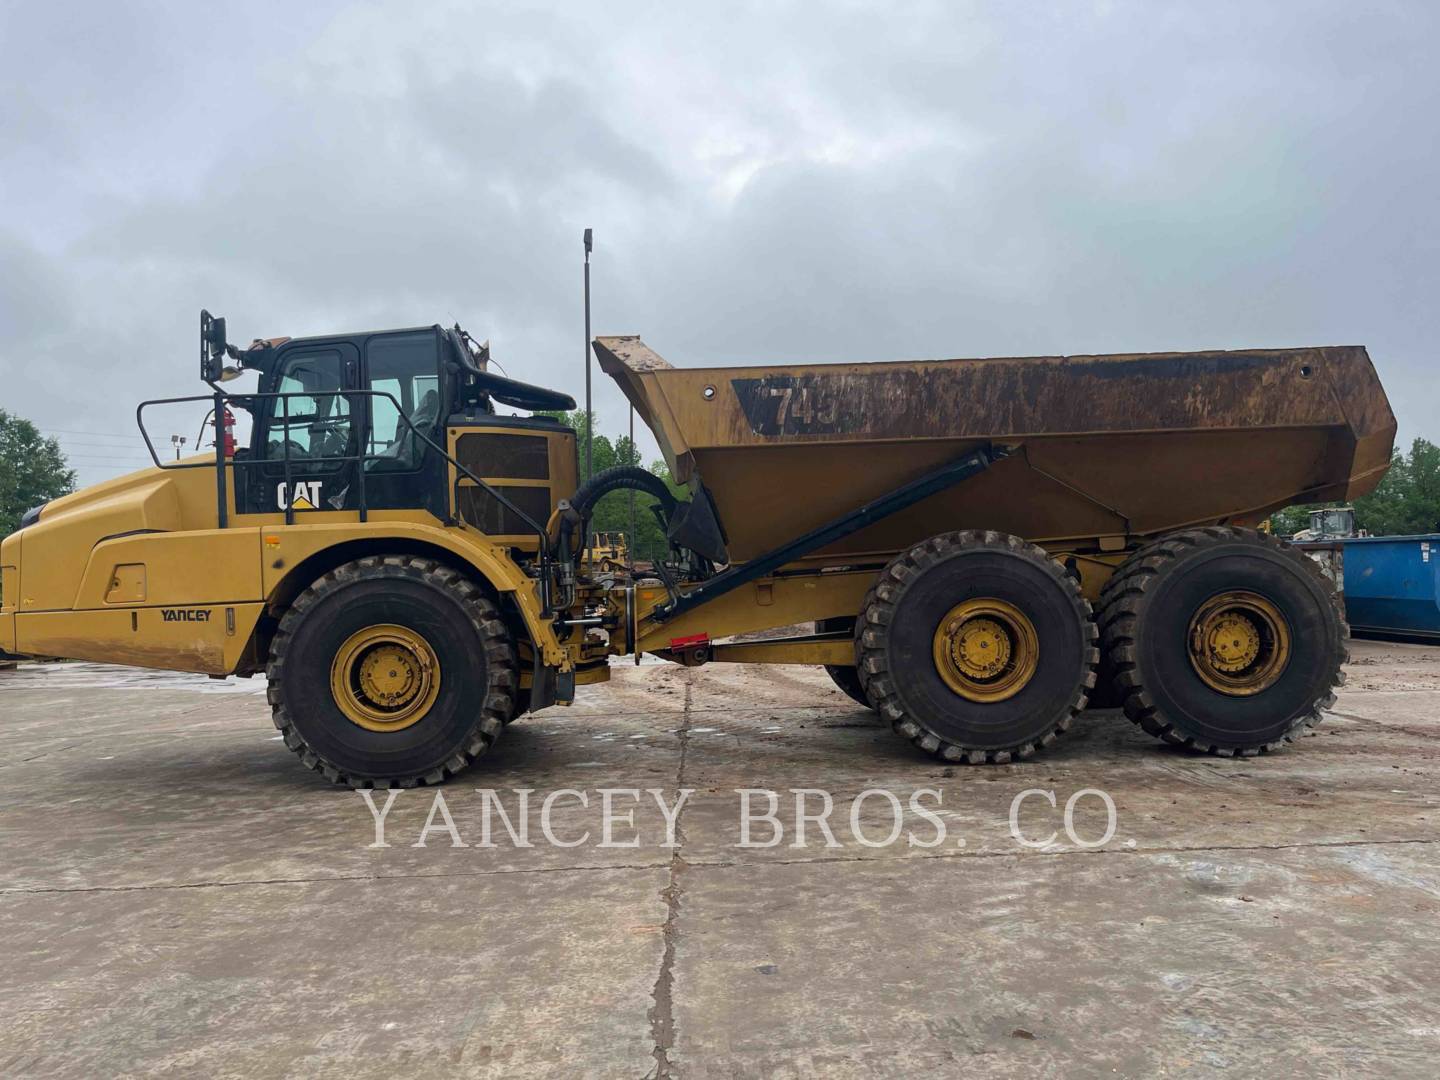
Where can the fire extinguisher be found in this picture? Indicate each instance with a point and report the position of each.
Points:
(227, 427)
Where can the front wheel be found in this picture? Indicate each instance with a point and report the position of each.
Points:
(391, 671)
(977, 647)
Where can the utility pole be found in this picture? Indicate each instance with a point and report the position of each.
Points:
(589, 411)
(634, 531)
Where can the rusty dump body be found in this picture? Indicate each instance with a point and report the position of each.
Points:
(1101, 449)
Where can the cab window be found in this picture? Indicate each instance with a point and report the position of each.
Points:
(316, 422)
(405, 367)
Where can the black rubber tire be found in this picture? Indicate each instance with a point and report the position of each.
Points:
(1145, 611)
(847, 678)
(1106, 693)
(522, 705)
(463, 627)
(894, 634)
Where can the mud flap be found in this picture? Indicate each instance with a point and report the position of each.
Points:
(550, 687)
(697, 527)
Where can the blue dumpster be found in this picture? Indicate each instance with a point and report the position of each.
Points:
(1392, 584)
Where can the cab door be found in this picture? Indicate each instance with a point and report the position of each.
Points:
(302, 440)
(408, 396)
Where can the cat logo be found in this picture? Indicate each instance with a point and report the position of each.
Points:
(304, 496)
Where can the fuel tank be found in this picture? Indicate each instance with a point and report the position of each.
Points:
(1101, 450)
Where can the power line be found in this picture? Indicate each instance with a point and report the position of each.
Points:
(108, 448)
(137, 448)
(102, 434)
(98, 438)
(105, 458)
(120, 450)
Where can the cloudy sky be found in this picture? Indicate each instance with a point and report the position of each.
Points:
(767, 182)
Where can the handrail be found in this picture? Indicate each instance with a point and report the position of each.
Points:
(219, 399)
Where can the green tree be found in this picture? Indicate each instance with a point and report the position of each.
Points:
(32, 470)
(612, 513)
(1407, 500)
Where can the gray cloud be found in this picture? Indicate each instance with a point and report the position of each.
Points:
(766, 182)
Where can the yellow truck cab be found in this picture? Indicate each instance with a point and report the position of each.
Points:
(360, 444)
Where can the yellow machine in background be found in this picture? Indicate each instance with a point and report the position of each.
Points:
(412, 570)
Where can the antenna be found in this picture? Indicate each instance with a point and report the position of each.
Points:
(589, 411)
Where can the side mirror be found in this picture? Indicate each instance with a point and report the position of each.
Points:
(212, 346)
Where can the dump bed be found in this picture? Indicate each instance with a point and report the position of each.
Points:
(1100, 446)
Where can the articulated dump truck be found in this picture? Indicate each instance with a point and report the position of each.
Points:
(974, 549)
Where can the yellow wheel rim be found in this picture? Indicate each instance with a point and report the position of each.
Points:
(1239, 643)
(986, 649)
(385, 677)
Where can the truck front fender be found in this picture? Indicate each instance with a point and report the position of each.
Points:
(295, 555)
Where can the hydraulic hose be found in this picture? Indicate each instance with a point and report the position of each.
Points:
(620, 477)
(574, 522)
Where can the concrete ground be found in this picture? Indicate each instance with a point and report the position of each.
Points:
(179, 897)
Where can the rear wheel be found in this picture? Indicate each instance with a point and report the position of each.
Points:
(847, 678)
(1224, 640)
(976, 646)
(390, 672)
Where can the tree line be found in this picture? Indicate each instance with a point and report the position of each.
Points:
(1406, 502)
(33, 470)
(613, 512)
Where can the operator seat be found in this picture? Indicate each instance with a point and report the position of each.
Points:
(407, 449)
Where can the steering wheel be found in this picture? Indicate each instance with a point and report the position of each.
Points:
(276, 450)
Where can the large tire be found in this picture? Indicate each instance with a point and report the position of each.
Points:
(464, 662)
(1150, 622)
(522, 704)
(847, 678)
(903, 622)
